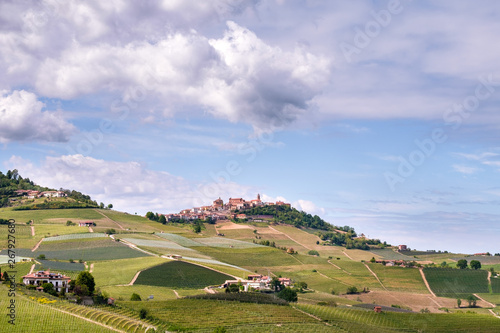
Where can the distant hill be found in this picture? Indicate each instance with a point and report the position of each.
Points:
(288, 215)
(12, 183)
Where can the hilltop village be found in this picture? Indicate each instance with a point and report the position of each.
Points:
(222, 211)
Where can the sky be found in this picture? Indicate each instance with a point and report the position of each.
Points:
(380, 115)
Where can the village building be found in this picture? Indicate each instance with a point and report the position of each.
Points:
(402, 248)
(59, 281)
(86, 224)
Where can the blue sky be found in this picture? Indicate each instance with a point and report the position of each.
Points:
(381, 115)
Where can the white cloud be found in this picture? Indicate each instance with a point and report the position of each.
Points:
(129, 186)
(308, 207)
(465, 169)
(22, 119)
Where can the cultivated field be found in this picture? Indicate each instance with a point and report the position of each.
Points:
(179, 274)
(449, 282)
(400, 278)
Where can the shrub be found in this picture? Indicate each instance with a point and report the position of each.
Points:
(288, 294)
(313, 253)
(143, 312)
(352, 290)
(135, 297)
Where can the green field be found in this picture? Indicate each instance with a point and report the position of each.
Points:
(179, 274)
(43, 215)
(351, 320)
(59, 265)
(400, 278)
(121, 271)
(389, 254)
(191, 314)
(449, 282)
(495, 285)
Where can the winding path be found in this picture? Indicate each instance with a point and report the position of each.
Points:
(425, 281)
(32, 231)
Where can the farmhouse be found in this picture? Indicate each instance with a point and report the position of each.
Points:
(86, 224)
(402, 248)
(59, 281)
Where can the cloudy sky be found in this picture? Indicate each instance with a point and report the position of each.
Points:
(381, 115)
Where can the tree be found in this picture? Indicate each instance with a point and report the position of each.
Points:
(197, 228)
(313, 253)
(101, 205)
(372, 260)
(150, 215)
(276, 284)
(459, 302)
(475, 264)
(471, 300)
(110, 206)
(48, 287)
(301, 285)
(143, 313)
(233, 288)
(86, 279)
(352, 290)
(462, 264)
(135, 297)
(162, 219)
(288, 294)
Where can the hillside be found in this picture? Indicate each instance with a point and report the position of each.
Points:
(23, 194)
(139, 250)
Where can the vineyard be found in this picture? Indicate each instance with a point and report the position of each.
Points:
(180, 274)
(225, 243)
(454, 283)
(178, 314)
(157, 243)
(59, 265)
(35, 316)
(389, 254)
(74, 236)
(362, 321)
(495, 285)
(181, 240)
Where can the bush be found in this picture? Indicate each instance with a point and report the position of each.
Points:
(135, 297)
(313, 253)
(352, 290)
(143, 312)
(288, 294)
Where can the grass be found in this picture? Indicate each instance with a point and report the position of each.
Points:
(48, 230)
(122, 271)
(492, 298)
(400, 278)
(449, 282)
(39, 216)
(179, 274)
(124, 292)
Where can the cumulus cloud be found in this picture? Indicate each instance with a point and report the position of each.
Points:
(308, 207)
(22, 119)
(129, 186)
